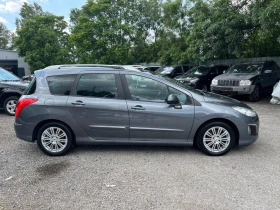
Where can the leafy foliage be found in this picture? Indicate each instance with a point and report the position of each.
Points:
(41, 39)
(5, 37)
(165, 31)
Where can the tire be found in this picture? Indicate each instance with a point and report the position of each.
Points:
(255, 95)
(10, 105)
(216, 138)
(204, 88)
(55, 139)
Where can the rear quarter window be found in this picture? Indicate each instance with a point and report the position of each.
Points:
(61, 84)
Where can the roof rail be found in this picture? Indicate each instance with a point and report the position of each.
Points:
(83, 66)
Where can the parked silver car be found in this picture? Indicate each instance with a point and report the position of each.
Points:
(107, 105)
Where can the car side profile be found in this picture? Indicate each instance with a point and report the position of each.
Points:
(98, 105)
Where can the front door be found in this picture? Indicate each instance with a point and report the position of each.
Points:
(151, 118)
(98, 109)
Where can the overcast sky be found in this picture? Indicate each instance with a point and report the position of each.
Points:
(9, 9)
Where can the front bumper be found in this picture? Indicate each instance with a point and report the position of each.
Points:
(248, 131)
(233, 90)
(24, 131)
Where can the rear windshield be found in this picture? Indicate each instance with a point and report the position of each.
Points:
(245, 68)
(198, 71)
(61, 84)
(31, 87)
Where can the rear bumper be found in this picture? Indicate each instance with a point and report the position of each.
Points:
(233, 90)
(24, 131)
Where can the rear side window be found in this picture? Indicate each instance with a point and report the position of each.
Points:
(97, 85)
(61, 84)
(31, 87)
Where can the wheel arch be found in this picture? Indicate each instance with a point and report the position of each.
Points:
(39, 125)
(230, 123)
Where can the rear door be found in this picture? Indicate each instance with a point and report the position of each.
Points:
(98, 106)
(151, 118)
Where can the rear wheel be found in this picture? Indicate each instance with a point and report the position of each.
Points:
(54, 139)
(10, 105)
(255, 95)
(216, 138)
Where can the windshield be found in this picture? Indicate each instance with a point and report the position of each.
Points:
(164, 70)
(245, 68)
(199, 70)
(7, 76)
(176, 82)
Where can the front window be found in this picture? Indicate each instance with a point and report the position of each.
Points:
(245, 68)
(146, 89)
(198, 71)
(7, 76)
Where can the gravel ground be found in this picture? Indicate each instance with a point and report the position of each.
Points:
(142, 177)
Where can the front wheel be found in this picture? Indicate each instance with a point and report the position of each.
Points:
(10, 105)
(54, 139)
(216, 138)
(255, 95)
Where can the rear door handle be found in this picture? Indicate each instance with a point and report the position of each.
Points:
(138, 107)
(78, 103)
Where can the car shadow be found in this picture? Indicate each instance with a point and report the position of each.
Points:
(133, 148)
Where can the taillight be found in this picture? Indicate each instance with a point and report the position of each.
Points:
(23, 103)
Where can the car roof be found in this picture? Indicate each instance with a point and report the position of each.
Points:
(67, 66)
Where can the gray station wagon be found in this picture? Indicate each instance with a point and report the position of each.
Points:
(79, 104)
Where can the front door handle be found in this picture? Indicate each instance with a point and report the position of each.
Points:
(78, 103)
(138, 107)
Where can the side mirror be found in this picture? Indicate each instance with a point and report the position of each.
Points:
(174, 101)
(268, 71)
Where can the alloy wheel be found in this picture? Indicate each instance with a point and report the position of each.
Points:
(216, 139)
(54, 139)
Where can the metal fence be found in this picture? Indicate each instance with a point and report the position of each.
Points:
(242, 60)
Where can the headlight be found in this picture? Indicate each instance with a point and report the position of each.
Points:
(245, 82)
(193, 81)
(245, 111)
(214, 82)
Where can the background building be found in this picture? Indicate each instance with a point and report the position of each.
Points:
(10, 61)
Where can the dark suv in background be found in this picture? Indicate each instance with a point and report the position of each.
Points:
(247, 79)
(11, 88)
(173, 71)
(200, 77)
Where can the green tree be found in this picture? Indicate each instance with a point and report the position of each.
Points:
(102, 31)
(27, 12)
(5, 37)
(42, 40)
(264, 36)
(218, 30)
